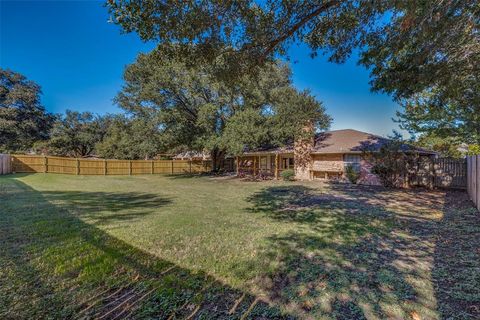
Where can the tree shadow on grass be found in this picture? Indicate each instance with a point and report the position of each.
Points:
(361, 252)
(456, 271)
(54, 265)
(107, 207)
(211, 175)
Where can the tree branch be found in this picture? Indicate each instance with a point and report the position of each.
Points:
(297, 26)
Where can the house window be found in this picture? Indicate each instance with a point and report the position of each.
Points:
(287, 163)
(353, 160)
(263, 163)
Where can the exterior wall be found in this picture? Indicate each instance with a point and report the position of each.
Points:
(332, 166)
(327, 166)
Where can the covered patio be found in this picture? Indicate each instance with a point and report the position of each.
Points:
(269, 164)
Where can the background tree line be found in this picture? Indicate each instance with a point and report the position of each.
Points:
(170, 107)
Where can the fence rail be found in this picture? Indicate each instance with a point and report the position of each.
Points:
(473, 179)
(5, 164)
(47, 164)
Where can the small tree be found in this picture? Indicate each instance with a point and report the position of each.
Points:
(131, 138)
(352, 173)
(391, 160)
(288, 175)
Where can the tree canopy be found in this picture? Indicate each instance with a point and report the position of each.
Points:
(133, 139)
(197, 111)
(446, 147)
(23, 119)
(426, 54)
(76, 134)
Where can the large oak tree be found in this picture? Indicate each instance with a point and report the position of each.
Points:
(197, 111)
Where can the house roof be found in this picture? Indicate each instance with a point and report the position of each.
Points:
(191, 155)
(345, 141)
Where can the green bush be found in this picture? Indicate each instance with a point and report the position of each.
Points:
(288, 175)
(352, 173)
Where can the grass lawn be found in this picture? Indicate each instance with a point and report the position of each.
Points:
(201, 248)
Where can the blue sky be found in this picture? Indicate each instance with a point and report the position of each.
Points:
(77, 57)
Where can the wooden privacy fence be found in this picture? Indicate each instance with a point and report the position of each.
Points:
(47, 164)
(5, 164)
(450, 173)
(438, 173)
(473, 179)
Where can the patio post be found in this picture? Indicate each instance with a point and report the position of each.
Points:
(238, 166)
(276, 166)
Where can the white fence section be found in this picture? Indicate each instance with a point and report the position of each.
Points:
(5, 164)
(473, 179)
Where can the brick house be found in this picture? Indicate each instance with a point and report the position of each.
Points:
(323, 157)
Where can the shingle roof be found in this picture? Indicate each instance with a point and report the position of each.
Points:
(345, 141)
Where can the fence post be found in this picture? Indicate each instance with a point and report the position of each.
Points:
(5, 164)
(129, 167)
(151, 168)
(190, 166)
(171, 161)
(8, 164)
(469, 177)
(45, 164)
(434, 173)
(474, 179)
(478, 182)
(77, 166)
(105, 167)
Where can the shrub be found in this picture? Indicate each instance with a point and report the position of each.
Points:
(288, 175)
(352, 173)
(390, 163)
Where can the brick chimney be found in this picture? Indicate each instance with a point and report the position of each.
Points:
(303, 146)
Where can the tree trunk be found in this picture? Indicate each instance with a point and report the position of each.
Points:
(213, 156)
(217, 156)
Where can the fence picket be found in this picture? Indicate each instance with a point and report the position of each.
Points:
(5, 164)
(478, 182)
(473, 178)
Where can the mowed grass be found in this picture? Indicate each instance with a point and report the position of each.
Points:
(176, 247)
